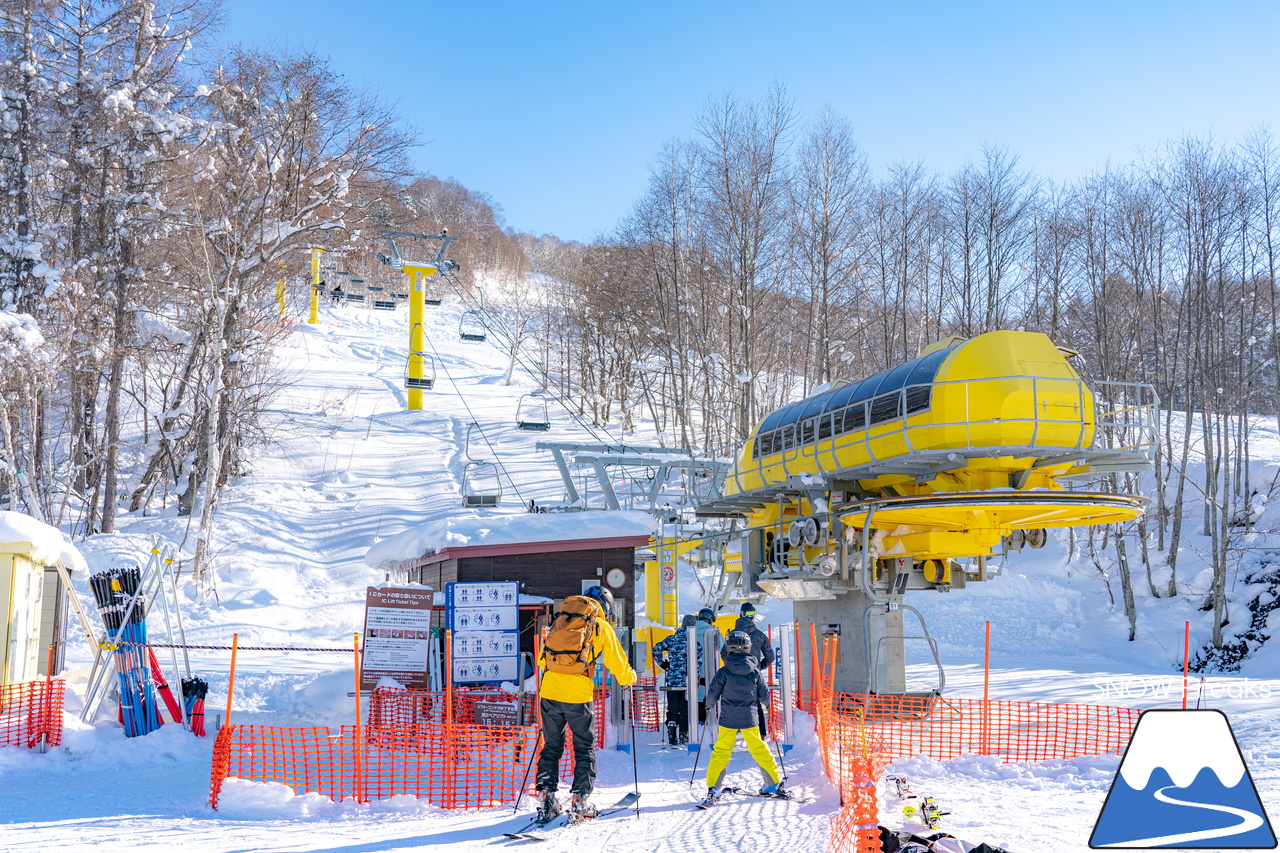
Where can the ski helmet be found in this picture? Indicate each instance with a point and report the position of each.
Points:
(706, 614)
(737, 643)
(603, 596)
(748, 609)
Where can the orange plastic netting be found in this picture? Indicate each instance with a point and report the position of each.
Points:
(860, 734)
(31, 713)
(414, 742)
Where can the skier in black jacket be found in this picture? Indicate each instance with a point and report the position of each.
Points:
(741, 692)
(761, 648)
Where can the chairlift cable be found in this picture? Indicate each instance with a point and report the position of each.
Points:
(569, 409)
(497, 460)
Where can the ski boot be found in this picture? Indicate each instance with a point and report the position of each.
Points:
(713, 796)
(549, 808)
(774, 790)
(582, 808)
(900, 787)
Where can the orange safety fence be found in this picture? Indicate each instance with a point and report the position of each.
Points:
(31, 713)
(408, 746)
(861, 734)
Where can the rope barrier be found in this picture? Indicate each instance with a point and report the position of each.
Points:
(241, 648)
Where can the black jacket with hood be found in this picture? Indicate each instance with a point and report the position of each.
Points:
(761, 648)
(738, 687)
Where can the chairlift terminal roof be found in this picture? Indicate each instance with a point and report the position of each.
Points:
(582, 529)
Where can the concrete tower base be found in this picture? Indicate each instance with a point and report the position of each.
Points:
(843, 615)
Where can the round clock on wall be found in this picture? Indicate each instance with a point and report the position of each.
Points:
(615, 578)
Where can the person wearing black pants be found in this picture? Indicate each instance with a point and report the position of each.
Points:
(580, 637)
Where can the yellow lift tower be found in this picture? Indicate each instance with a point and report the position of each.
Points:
(315, 285)
(417, 271)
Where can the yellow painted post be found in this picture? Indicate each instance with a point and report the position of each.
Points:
(417, 338)
(315, 285)
(280, 286)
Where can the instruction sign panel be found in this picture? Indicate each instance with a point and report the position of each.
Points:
(668, 585)
(397, 635)
(485, 621)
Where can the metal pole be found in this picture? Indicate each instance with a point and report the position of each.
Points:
(315, 285)
(692, 669)
(698, 754)
(635, 770)
(788, 700)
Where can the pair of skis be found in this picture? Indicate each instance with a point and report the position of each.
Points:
(535, 831)
(784, 795)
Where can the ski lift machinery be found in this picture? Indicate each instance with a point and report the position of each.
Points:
(477, 474)
(918, 479)
(418, 270)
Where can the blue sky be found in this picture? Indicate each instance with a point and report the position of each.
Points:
(556, 109)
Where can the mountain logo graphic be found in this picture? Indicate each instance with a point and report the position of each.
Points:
(1183, 784)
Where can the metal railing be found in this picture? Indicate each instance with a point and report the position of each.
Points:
(1130, 425)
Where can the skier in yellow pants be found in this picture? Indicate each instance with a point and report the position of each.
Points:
(741, 693)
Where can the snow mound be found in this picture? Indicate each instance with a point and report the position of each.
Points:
(48, 544)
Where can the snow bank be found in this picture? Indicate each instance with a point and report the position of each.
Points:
(49, 545)
(460, 532)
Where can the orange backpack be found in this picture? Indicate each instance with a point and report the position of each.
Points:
(570, 646)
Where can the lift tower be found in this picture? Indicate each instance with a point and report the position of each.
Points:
(418, 271)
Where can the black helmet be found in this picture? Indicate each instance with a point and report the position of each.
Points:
(603, 596)
(706, 614)
(748, 609)
(737, 643)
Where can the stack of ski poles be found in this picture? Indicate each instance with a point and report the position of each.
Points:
(115, 592)
(194, 690)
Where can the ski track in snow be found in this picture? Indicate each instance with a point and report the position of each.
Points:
(347, 466)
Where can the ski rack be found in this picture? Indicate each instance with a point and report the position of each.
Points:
(158, 582)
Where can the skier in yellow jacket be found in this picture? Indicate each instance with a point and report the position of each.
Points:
(579, 636)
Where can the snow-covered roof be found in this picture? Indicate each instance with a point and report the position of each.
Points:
(475, 531)
(48, 544)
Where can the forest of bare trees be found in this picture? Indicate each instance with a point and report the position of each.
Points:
(150, 205)
(767, 258)
(152, 201)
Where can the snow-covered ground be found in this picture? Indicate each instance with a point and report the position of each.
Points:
(349, 467)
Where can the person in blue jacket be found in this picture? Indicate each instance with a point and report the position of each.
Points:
(672, 656)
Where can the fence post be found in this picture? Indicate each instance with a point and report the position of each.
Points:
(986, 685)
(358, 756)
(814, 668)
(46, 714)
(1186, 662)
(231, 679)
(449, 755)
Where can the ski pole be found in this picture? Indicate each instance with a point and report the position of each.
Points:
(769, 734)
(635, 770)
(524, 783)
(698, 754)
